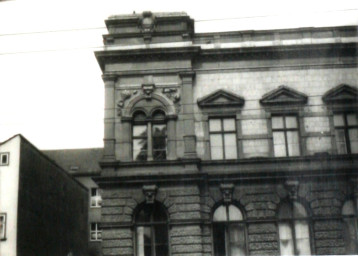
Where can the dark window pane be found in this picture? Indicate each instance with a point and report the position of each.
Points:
(159, 130)
(161, 234)
(219, 239)
(353, 139)
(341, 141)
(159, 115)
(143, 216)
(139, 116)
(161, 250)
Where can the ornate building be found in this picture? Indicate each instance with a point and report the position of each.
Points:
(232, 143)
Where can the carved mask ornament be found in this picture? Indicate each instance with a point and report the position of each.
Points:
(150, 192)
(227, 191)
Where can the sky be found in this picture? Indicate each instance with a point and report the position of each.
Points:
(51, 89)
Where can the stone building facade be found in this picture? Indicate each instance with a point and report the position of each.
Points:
(231, 143)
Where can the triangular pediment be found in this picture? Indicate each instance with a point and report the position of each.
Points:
(341, 94)
(221, 98)
(283, 95)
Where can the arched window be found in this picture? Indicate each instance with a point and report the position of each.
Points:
(151, 228)
(149, 136)
(229, 231)
(293, 229)
(350, 227)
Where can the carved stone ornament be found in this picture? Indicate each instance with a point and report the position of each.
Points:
(147, 25)
(174, 95)
(148, 87)
(150, 192)
(227, 191)
(125, 95)
(292, 188)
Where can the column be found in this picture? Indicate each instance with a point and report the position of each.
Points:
(188, 114)
(109, 116)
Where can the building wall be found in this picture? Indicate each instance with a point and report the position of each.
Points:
(248, 65)
(9, 186)
(52, 205)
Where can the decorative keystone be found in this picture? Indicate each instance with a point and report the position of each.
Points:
(292, 188)
(227, 191)
(148, 87)
(150, 192)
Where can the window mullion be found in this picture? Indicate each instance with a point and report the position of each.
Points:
(150, 142)
(346, 133)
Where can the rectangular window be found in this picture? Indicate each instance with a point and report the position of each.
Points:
(140, 142)
(346, 131)
(95, 233)
(2, 226)
(223, 142)
(96, 199)
(159, 134)
(285, 136)
(4, 158)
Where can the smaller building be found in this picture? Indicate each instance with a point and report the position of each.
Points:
(43, 210)
(83, 164)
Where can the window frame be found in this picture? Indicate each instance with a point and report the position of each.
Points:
(97, 198)
(345, 128)
(152, 223)
(7, 155)
(226, 224)
(3, 216)
(292, 221)
(149, 121)
(96, 231)
(222, 133)
(285, 130)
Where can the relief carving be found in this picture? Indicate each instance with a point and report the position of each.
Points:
(125, 95)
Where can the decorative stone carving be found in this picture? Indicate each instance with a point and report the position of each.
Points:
(227, 191)
(292, 188)
(150, 192)
(125, 95)
(148, 87)
(174, 95)
(147, 25)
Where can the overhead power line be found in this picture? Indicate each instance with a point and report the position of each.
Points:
(196, 21)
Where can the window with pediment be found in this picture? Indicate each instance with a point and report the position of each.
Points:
(221, 108)
(285, 105)
(343, 103)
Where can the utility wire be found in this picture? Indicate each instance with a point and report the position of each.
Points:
(196, 21)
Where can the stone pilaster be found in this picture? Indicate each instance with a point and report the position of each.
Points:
(109, 117)
(188, 114)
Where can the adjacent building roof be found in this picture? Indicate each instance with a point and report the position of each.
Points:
(78, 161)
